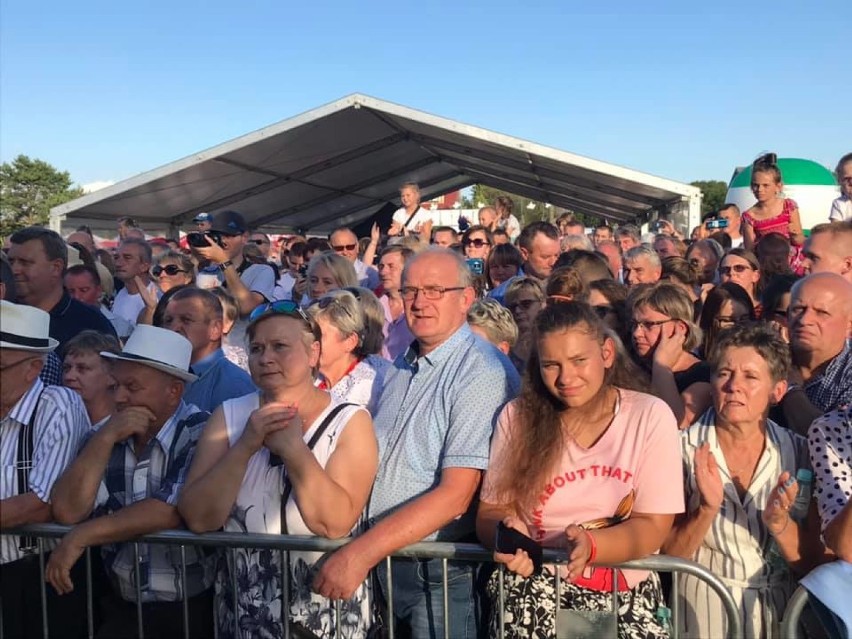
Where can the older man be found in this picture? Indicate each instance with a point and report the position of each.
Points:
(411, 218)
(668, 246)
(828, 249)
(642, 266)
(432, 452)
(398, 336)
(819, 318)
(612, 253)
(198, 316)
(129, 475)
(40, 431)
(344, 242)
(132, 265)
(38, 258)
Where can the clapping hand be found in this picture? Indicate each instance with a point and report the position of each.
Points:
(776, 515)
(708, 479)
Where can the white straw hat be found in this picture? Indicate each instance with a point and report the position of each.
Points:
(158, 348)
(25, 328)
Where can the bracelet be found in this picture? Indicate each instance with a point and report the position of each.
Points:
(594, 551)
(225, 265)
(775, 534)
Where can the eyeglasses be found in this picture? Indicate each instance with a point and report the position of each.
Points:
(648, 326)
(20, 361)
(168, 269)
(524, 305)
(259, 242)
(339, 248)
(736, 268)
(603, 310)
(409, 293)
(324, 302)
(281, 307)
(724, 320)
(477, 243)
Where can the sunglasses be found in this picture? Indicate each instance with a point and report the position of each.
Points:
(281, 307)
(736, 268)
(339, 248)
(169, 269)
(477, 243)
(259, 242)
(524, 305)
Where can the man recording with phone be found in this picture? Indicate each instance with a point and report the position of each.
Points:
(731, 214)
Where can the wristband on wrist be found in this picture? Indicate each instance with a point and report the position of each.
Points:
(593, 553)
(225, 264)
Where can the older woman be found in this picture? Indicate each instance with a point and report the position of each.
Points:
(85, 371)
(494, 323)
(328, 271)
(664, 337)
(739, 470)
(524, 298)
(726, 305)
(570, 467)
(288, 459)
(173, 271)
(351, 321)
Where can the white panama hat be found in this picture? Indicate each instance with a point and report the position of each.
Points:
(158, 348)
(25, 328)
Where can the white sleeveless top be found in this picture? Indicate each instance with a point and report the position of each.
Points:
(258, 510)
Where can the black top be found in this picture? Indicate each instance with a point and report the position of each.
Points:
(70, 317)
(698, 372)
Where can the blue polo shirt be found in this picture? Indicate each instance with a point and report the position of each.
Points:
(438, 411)
(218, 380)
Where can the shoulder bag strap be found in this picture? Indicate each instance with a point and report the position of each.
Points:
(411, 217)
(24, 463)
(288, 486)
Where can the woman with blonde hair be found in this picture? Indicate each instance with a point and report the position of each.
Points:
(664, 337)
(524, 298)
(328, 271)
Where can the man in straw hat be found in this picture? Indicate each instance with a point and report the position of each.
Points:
(40, 430)
(129, 475)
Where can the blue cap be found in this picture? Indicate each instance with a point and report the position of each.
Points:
(202, 217)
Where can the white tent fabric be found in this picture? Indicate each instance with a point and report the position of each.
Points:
(342, 162)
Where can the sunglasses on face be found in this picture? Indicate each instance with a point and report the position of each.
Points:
(477, 243)
(523, 305)
(736, 268)
(259, 242)
(281, 307)
(169, 269)
(339, 248)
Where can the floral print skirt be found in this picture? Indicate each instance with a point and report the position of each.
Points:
(530, 607)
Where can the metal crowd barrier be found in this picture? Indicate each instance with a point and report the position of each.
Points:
(284, 544)
(793, 613)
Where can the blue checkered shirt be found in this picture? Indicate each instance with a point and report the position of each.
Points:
(435, 412)
(158, 473)
(833, 388)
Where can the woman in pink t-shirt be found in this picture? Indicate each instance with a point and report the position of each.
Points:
(581, 461)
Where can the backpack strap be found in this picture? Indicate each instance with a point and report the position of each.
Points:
(24, 464)
(288, 486)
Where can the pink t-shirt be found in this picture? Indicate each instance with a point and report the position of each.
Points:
(635, 466)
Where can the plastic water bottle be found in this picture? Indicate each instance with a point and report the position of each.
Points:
(798, 513)
(664, 618)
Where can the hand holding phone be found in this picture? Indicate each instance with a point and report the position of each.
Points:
(508, 541)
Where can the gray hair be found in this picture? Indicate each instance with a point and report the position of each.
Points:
(643, 251)
(628, 230)
(569, 242)
(145, 248)
(495, 320)
(465, 277)
(354, 311)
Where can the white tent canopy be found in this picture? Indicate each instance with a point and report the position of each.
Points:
(340, 163)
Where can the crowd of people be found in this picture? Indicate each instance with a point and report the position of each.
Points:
(606, 393)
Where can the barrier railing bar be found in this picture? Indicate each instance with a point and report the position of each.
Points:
(558, 579)
(44, 627)
(446, 590)
(432, 550)
(389, 598)
(138, 573)
(183, 585)
(234, 599)
(284, 559)
(615, 597)
(675, 607)
(90, 608)
(501, 599)
(793, 612)
(337, 632)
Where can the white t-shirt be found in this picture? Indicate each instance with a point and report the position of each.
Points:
(129, 306)
(510, 225)
(284, 287)
(841, 209)
(420, 217)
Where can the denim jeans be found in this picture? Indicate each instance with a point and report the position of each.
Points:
(418, 597)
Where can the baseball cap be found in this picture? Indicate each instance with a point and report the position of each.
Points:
(229, 223)
(202, 217)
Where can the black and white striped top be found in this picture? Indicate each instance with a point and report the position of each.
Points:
(60, 425)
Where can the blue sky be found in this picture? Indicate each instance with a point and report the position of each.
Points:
(106, 90)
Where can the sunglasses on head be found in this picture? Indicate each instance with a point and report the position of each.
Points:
(344, 247)
(477, 243)
(168, 269)
(281, 307)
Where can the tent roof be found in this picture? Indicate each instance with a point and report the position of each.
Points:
(340, 163)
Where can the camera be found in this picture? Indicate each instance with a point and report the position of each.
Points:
(199, 240)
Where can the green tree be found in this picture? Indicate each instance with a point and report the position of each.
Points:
(29, 188)
(714, 192)
(482, 194)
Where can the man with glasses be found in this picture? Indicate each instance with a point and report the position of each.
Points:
(345, 243)
(434, 422)
(249, 284)
(40, 430)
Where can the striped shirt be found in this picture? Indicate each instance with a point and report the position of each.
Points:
(736, 545)
(159, 472)
(60, 425)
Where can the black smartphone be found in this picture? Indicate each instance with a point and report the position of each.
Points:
(199, 240)
(303, 270)
(509, 540)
